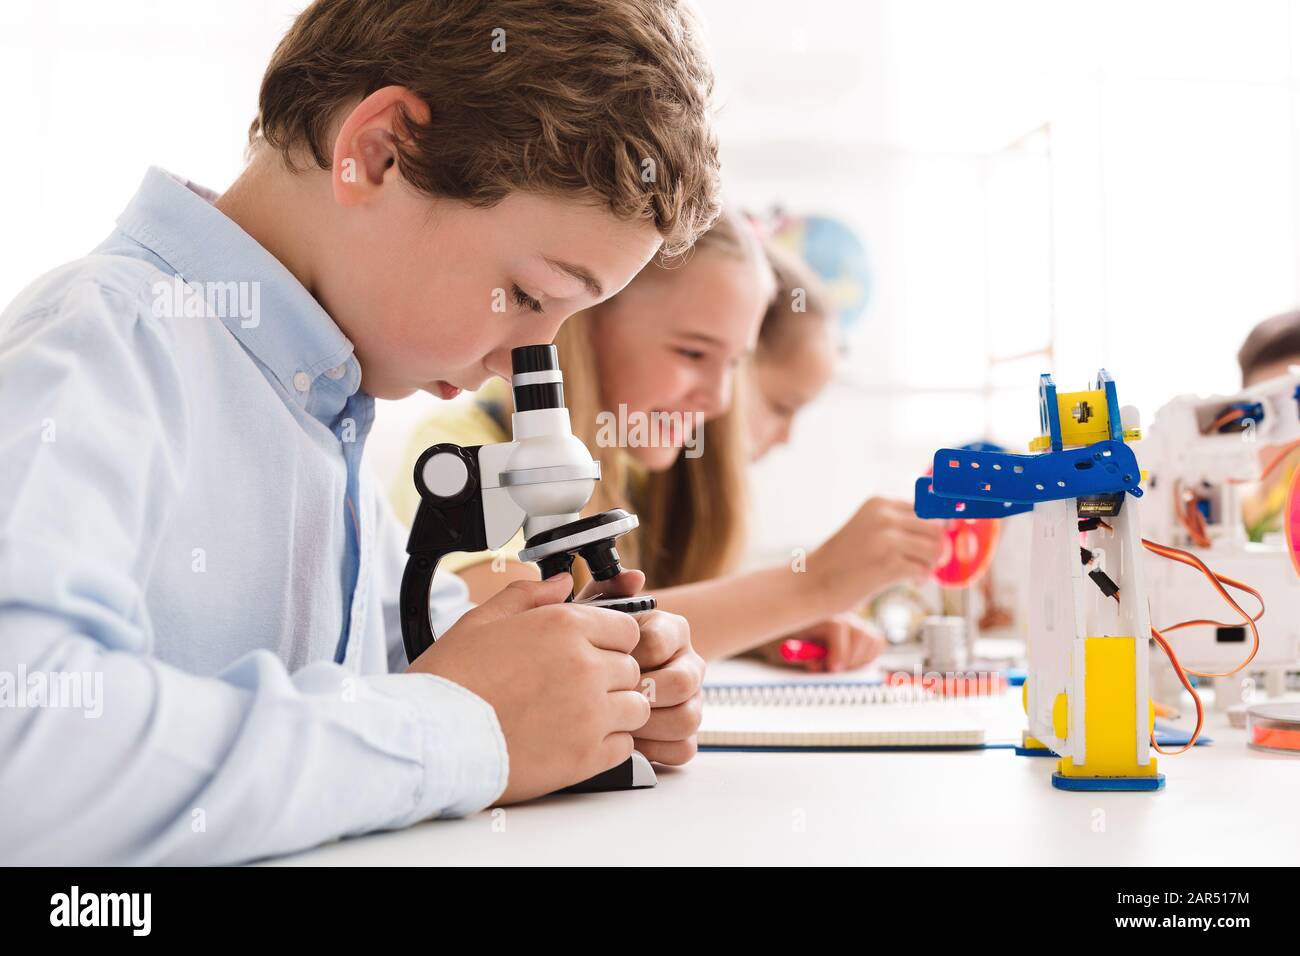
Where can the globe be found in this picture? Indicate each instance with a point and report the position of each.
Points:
(837, 255)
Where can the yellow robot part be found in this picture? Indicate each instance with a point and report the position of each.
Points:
(1110, 715)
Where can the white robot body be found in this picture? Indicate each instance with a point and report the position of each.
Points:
(1184, 451)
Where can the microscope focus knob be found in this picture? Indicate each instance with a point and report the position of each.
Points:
(445, 474)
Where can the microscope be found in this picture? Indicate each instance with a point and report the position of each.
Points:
(475, 499)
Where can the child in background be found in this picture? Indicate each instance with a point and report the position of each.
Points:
(673, 342)
(795, 356)
(1270, 350)
(183, 517)
(793, 362)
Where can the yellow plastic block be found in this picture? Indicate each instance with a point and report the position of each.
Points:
(1074, 432)
(1110, 712)
(1085, 417)
(1061, 716)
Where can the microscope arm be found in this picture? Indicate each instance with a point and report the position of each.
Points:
(450, 518)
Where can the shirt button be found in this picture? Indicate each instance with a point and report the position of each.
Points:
(301, 381)
(337, 372)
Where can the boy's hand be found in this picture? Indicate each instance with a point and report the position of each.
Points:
(561, 678)
(849, 641)
(884, 544)
(672, 675)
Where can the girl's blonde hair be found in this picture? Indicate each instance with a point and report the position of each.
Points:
(800, 294)
(693, 513)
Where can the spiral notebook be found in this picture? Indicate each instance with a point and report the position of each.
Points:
(816, 713)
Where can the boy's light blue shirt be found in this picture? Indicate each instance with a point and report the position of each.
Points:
(197, 572)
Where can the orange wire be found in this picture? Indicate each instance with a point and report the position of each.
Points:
(1204, 622)
(1184, 557)
(1196, 699)
(1231, 415)
(1218, 581)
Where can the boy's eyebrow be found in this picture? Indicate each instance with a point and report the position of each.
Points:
(578, 273)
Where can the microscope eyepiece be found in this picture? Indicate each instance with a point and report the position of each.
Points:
(536, 377)
(534, 358)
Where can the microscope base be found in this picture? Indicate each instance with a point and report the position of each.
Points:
(634, 773)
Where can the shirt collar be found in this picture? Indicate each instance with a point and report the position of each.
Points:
(288, 331)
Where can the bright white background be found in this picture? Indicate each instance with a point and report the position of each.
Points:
(1107, 183)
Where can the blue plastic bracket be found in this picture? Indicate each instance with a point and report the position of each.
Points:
(975, 482)
(1107, 384)
(1049, 414)
(927, 504)
(1103, 467)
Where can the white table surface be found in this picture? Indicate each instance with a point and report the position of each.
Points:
(1222, 804)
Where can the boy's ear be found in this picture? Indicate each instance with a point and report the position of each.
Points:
(365, 150)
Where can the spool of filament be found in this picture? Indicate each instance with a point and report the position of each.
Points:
(1274, 727)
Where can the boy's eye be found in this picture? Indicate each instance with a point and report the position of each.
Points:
(691, 354)
(525, 301)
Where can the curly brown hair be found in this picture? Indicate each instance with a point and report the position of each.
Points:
(607, 98)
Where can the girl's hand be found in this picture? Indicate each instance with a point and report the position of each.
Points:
(882, 545)
(849, 641)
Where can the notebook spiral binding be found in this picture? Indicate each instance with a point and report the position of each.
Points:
(819, 694)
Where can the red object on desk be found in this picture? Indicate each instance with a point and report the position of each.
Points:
(968, 546)
(968, 549)
(1275, 739)
(795, 651)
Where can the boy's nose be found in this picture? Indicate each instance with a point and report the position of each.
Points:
(498, 363)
